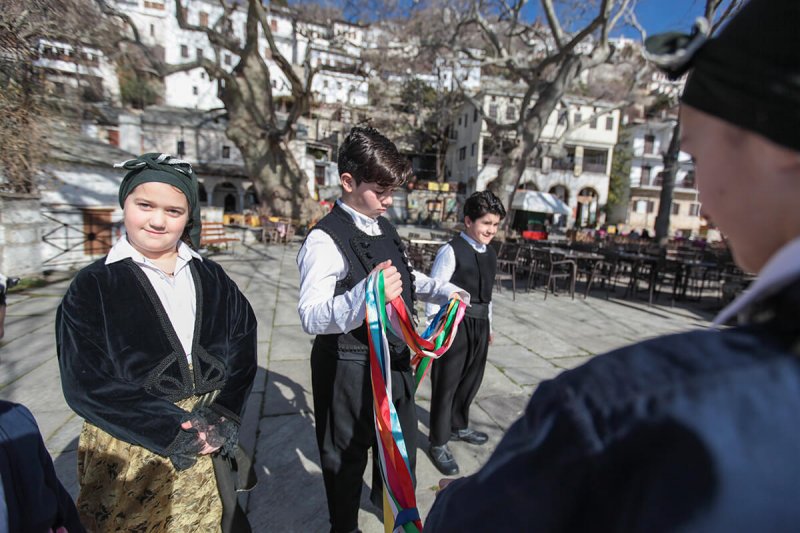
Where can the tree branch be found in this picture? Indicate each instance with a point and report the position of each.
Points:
(552, 20)
(286, 67)
(214, 37)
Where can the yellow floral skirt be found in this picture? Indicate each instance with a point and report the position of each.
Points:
(124, 487)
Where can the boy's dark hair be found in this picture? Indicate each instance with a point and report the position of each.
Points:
(370, 157)
(481, 203)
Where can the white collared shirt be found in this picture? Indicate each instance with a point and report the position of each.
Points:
(781, 269)
(444, 266)
(176, 292)
(322, 264)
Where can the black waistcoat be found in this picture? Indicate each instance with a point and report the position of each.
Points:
(474, 271)
(361, 253)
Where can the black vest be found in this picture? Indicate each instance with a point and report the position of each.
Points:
(474, 271)
(361, 253)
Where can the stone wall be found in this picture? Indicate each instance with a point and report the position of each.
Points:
(20, 234)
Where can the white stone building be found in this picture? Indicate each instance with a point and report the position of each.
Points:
(580, 177)
(649, 141)
(338, 45)
(84, 71)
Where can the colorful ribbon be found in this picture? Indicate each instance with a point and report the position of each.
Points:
(437, 338)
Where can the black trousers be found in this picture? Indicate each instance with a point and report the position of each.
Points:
(346, 431)
(456, 378)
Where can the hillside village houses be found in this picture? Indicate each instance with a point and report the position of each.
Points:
(580, 179)
(649, 139)
(189, 122)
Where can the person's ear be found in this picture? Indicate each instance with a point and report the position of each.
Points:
(348, 182)
(468, 221)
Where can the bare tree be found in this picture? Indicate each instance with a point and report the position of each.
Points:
(257, 125)
(545, 58)
(713, 14)
(26, 109)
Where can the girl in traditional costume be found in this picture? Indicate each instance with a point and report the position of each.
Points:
(157, 349)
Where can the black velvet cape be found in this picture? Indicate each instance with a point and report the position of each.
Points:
(122, 364)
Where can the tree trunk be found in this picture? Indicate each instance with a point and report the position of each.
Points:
(515, 162)
(668, 186)
(279, 182)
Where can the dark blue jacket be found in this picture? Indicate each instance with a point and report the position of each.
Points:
(35, 498)
(692, 432)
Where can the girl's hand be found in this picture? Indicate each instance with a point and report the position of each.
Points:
(203, 433)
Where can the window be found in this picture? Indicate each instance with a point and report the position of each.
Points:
(641, 206)
(609, 123)
(593, 123)
(202, 75)
(649, 144)
(493, 110)
(565, 163)
(204, 19)
(688, 180)
(459, 120)
(273, 25)
(694, 210)
(475, 115)
(152, 30)
(59, 88)
(319, 175)
(113, 137)
(184, 51)
(472, 150)
(227, 59)
(181, 148)
(511, 113)
(199, 53)
(194, 90)
(577, 119)
(676, 208)
(462, 153)
(466, 119)
(226, 152)
(325, 84)
(274, 84)
(595, 160)
(645, 179)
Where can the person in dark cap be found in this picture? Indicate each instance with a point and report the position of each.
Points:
(696, 431)
(157, 351)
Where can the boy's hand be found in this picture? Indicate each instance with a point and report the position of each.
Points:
(392, 282)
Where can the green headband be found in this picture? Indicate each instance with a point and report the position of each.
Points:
(163, 168)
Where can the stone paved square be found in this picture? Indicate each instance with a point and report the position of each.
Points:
(535, 339)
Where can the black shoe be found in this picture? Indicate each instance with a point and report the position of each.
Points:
(470, 435)
(443, 460)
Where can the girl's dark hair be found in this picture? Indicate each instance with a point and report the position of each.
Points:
(370, 157)
(481, 203)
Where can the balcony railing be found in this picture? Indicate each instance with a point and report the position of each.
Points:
(594, 166)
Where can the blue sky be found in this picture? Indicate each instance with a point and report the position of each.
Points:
(663, 15)
(655, 16)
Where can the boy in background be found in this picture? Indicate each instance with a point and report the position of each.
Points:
(469, 262)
